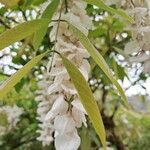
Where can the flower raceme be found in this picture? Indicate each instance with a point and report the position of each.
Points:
(60, 110)
(9, 116)
(140, 43)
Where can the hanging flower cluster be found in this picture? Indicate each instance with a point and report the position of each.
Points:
(139, 104)
(9, 116)
(139, 46)
(60, 110)
(44, 104)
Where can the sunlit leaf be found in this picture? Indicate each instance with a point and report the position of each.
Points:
(97, 57)
(20, 32)
(87, 98)
(9, 3)
(47, 14)
(15, 78)
(102, 5)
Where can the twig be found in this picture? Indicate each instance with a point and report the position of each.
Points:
(66, 6)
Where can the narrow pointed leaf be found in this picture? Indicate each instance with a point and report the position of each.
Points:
(85, 139)
(97, 57)
(47, 14)
(15, 78)
(20, 32)
(102, 5)
(87, 98)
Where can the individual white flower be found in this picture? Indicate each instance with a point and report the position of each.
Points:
(53, 88)
(79, 117)
(64, 124)
(69, 141)
(132, 47)
(60, 106)
(66, 137)
(77, 104)
(46, 131)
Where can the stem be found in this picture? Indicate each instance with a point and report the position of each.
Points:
(66, 6)
(59, 19)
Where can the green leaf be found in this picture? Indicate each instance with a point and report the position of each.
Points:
(9, 3)
(119, 70)
(97, 57)
(38, 2)
(47, 14)
(102, 5)
(15, 78)
(20, 32)
(85, 139)
(87, 98)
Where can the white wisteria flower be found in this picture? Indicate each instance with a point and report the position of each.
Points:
(12, 117)
(140, 43)
(141, 28)
(60, 110)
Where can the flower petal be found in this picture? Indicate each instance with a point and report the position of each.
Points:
(53, 88)
(64, 124)
(76, 103)
(60, 106)
(78, 117)
(69, 141)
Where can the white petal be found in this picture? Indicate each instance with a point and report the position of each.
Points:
(140, 58)
(42, 110)
(76, 103)
(39, 98)
(132, 47)
(76, 21)
(85, 69)
(64, 124)
(53, 88)
(43, 103)
(57, 71)
(69, 141)
(144, 29)
(68, 87)
(53, 32)
(78, 117)
(60, 106)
